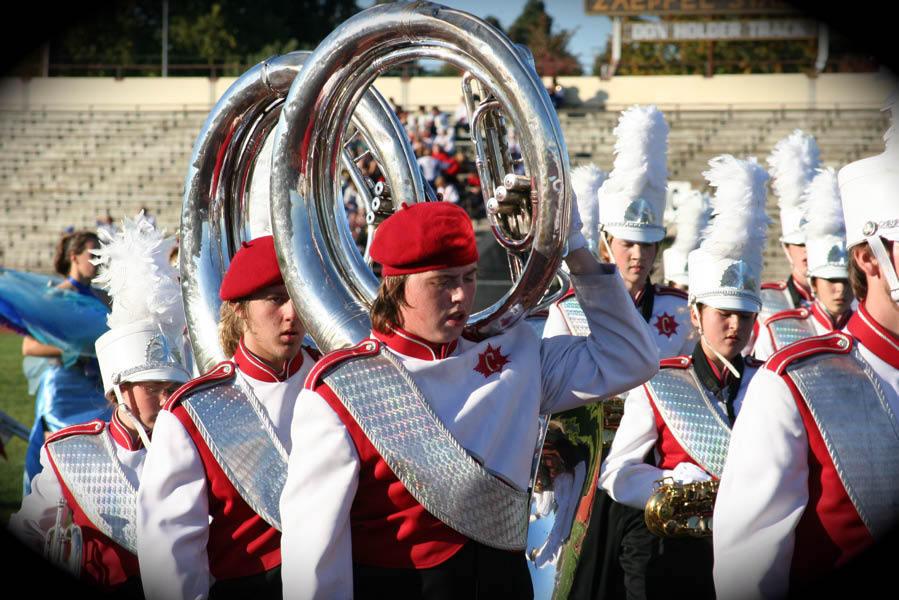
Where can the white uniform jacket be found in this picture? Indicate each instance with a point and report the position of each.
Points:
(488, 394)
(765, 487)
(175, 500)
(104, 562)
(625, 474)
(816, 315)
(664, 309)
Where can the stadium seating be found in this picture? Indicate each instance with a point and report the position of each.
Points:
(62, 168)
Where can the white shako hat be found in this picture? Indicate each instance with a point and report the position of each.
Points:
(632, 198)
(691, 215)
(825, 232)
(147, 317)
(585, 181)
(725, 271)
(792, 165)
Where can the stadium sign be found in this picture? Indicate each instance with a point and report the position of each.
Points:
(681, 31)
(627, 8)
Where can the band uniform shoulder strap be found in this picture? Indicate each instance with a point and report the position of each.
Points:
(790, 326)
(859, 430)
(574, 315)
(241, 437)
(774, 299)
(90, 470)
(395, 416)
(690, 416)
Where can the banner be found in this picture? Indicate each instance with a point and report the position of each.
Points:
(680, 31)
(627, 8)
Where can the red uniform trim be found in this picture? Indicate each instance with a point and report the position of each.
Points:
(794, 313)
(566, 295)
(676, 362)
(220, 372)
(665, 290)
(104, 562)
(775, 285)
(834, 342)
(390, 529)
(366, 347)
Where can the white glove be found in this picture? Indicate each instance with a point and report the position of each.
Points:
(689, 473)
(576, 239)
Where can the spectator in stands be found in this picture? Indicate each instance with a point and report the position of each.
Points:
(446, 139)
(150, 218)
(106, 224)
(438, 119)
(431, 165)
(446, 190)
(460, 119)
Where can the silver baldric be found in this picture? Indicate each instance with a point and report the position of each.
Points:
(574, 316)
(241, 437)
(392, 412)
(859, 430)
(790, 329)
(696, 425)
(773, 302)
(91, 471)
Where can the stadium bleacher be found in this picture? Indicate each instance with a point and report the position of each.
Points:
(67, 168)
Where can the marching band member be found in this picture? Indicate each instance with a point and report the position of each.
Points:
(691, 216)
(96, 467)
(678, 424)
(434, 510)
(792, 166)
(811, 475)
(631, 205)
(828, 272)
(207, 504)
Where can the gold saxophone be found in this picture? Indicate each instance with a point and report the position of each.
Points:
(680, 510)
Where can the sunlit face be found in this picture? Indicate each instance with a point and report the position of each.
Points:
(439, 302)
(81, 267)
(146, 398)
(799, 259)
(634, 261)
(834, 294)
(727, 331)
(273, 331)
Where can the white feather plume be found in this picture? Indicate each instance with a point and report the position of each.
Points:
(690, 217)
(739, 226)
(586, 181)
(822, 205)
(134, 267)
(641, 155)
(792, 165)
(891, 137)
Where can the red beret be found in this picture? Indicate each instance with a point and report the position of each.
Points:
(254, 267)
(424, 237)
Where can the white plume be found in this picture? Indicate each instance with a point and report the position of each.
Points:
(823, 208)
(134, 267)
(586, 181)
(690, 217)
(891, 137)
(739, 225)
(793, 162)
(641, 155)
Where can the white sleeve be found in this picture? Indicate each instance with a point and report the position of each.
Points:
(762, 494)
(624, 473)
(764, 345)
(38, 512)
(618, 355)
(322, 477)
(173, 516)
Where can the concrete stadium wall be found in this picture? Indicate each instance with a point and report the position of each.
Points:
(846, 90)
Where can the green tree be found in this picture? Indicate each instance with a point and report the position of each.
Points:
(533, 28)
(205, 36)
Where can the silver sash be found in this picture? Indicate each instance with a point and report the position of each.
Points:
(241, 437)
(773, 301)
(392, 412)
(574, 316)
(859, 430)
(92, 473)
(689, 414)
(786, 331)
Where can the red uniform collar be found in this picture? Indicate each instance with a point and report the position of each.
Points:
(802, 291)
(823, 317)
(123, 436)
(873, 336)
(409, 344)
(255, 367)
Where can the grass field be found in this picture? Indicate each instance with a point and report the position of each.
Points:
(14, 401)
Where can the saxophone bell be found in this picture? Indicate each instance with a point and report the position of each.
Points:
(681, 510)
(63, 542)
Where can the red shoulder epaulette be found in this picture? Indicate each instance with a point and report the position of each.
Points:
(665, 290)
(793, 313)
(676, 362)
(90, 428)
(363, 348)
(220, 372)
(566, 295)
(835, 342)
(775, 285)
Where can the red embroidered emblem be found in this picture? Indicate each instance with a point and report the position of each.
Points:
(666, 324)
(491, 361)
